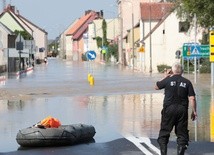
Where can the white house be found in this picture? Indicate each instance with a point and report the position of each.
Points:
(14, 21)
(162, 34)
(95, 30)
(129, 14)
(65, 43)
(4, 34)
(39, 36)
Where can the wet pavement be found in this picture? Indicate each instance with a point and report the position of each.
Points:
(121, 103)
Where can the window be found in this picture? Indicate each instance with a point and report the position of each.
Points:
(184, 26)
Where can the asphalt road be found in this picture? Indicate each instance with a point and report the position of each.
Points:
(122, 146)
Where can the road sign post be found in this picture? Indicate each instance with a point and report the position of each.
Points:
(212, 55)
(211, 46)
(90, 55)
(195, 50)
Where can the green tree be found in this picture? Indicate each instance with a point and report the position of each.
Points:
(102, 41)
(112, 48)
(24, 34)
(203, 9)
(112, 51)
(99, 41)
(53, 47)
(104, 28)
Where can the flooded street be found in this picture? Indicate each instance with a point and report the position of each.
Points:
(120, 103)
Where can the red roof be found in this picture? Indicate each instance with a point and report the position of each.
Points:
(155, 11)
(82, 24)
(78, 24)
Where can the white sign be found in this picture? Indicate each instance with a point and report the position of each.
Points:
(19, 38)
(15, 53)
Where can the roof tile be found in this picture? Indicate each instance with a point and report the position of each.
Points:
(155, 11)
(79, 23)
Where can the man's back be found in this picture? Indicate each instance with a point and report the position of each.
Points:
(177, 89)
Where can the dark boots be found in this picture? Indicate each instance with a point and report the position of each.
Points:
(163, 146)
(163, 149)
(181, 150)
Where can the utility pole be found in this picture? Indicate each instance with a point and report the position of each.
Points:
(150, 38)
(195, 63)
(133, 37)
(120, 42)
(132, 29)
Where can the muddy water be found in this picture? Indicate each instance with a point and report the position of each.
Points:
(119, 104)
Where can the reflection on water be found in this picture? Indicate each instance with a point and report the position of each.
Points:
(112, 116)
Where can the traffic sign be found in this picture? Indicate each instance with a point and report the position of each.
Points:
(19, 42)
(142, 49)
(211, 46)
(91, 55)
(195, 50)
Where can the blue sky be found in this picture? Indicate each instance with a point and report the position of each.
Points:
(55, 15)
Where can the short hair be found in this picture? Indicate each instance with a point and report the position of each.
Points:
(177, 68)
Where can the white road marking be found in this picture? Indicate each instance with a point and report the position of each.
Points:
(147, 141)
(137, 142)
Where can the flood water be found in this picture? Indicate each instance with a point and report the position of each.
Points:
(120, 103)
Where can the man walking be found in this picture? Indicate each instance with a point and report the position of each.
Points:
(179, 93)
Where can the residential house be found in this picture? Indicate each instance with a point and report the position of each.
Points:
(14, 21)
(162, 35)
(65, 43)
(40, 36)
(78, 34)
(131, 41)
(5, 34)
(129, 15)
(95, 30)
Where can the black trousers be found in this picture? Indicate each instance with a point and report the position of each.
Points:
(176, 116)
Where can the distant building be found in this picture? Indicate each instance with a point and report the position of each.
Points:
(14, 21)
(5, 34)
(65, 43)
(157, 30)
(78, 33)
(162, 34)
(95, 30)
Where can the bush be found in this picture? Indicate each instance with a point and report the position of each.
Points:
(84, 58)
(205, 66)
(162, 67)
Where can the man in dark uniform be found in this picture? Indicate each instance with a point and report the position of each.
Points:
(179, 93)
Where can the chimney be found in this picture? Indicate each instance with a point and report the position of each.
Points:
(101, 13)
(11, 8)
(87, 12)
